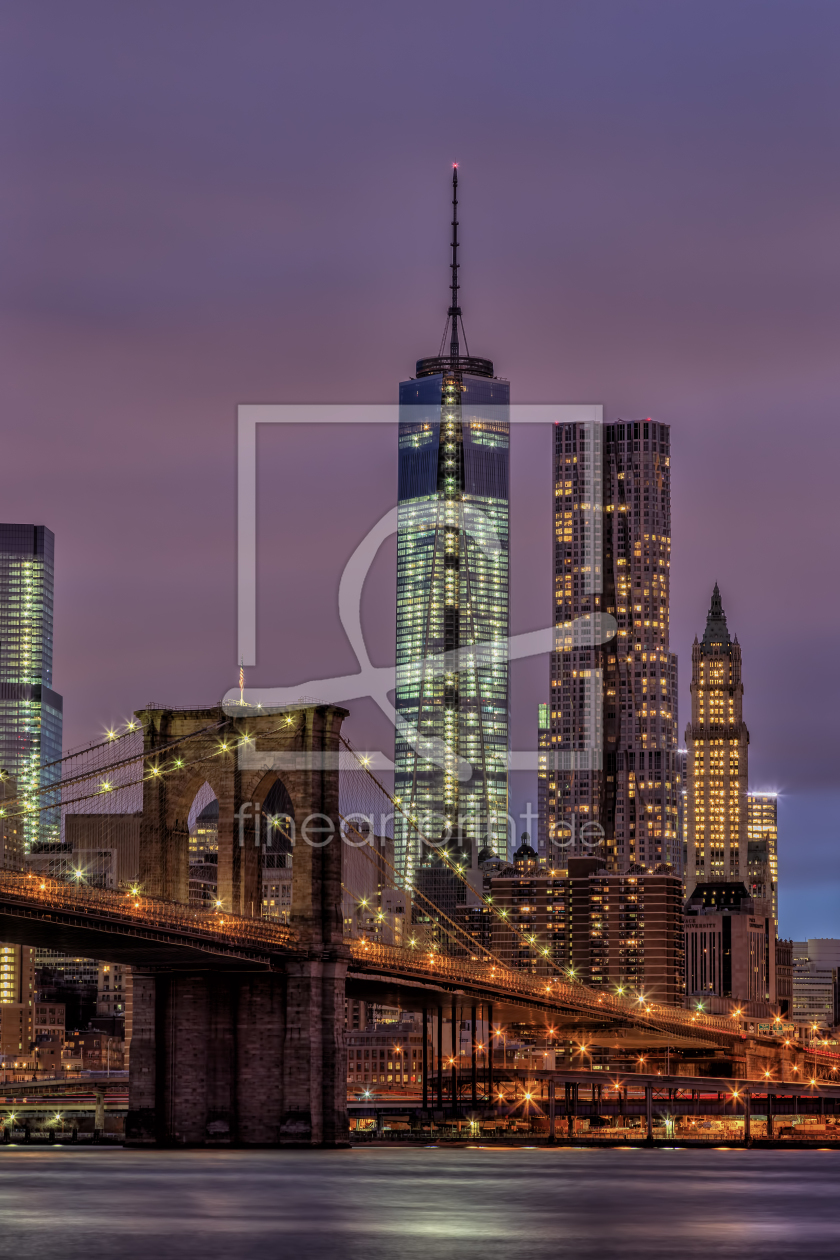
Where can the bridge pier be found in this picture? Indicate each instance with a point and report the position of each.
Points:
(226, 1054)
(251, 1059)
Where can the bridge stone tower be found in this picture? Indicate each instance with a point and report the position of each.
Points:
(244, 1056)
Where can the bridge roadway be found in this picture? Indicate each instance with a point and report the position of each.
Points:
(145, 932)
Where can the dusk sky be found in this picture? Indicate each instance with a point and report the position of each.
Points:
(206, 204)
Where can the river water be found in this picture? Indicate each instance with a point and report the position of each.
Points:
(378, 1203)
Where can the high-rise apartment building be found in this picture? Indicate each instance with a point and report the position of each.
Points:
(30, 711)
(762, 848)
(452, 739)
(612, 778)
(17, 996)
(607, 929)
(717, 741)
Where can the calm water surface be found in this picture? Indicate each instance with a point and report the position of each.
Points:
(401, 1204)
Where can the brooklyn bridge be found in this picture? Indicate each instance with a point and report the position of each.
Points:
(238, 1027)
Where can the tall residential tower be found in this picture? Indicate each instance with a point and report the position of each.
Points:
(611, 785)
(30, 711)
(451, 753)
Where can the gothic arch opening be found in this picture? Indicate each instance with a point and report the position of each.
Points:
(277, 829)
(203, 823)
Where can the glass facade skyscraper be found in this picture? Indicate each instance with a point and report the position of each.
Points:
(762, 848)
(452, 695)
(30, 711)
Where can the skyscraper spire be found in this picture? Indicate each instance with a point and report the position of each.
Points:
(454, 308)
(455, 360)
(716, 630)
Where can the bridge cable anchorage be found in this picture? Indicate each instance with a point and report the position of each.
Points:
(649, 1014)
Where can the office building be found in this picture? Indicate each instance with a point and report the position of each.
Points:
(277, 893)
(611, 773)
(730, 951)
(69, 979)
(762, 848)
(204, 858)
(48, 1020)
(114, 988)
(784, 977)
(717, 743)
(452, 738)
(30, 711)
(49, 1035)
(816, 991)
(94, 868)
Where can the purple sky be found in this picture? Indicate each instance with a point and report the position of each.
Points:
(211, 203)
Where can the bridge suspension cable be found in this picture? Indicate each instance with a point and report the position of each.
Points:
(651, 1014)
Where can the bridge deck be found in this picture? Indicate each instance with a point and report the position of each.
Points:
(141, 931)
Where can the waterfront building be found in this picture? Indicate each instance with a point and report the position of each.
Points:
(94, 1050)
(762, 848)
(816, 987)
(17, 999)
(784, 977)
(717, 742)
(730, 950)
(452, 700)
(609, 930)
(30, 711)
(611, 772)
(386, 1057)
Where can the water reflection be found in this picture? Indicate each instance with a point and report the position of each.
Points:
(407, 1203)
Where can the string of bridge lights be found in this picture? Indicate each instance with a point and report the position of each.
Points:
(155, 771)
(647, 1009)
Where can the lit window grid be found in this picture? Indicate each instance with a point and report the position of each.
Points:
(645, 620)
(30, 730)
(429, 527)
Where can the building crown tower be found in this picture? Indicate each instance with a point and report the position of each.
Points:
(717, 742)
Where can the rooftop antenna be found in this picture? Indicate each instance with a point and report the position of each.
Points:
(454, 308)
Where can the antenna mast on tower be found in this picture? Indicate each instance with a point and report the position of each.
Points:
(454, 308)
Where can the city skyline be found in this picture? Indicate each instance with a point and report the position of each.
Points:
(648, 277)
